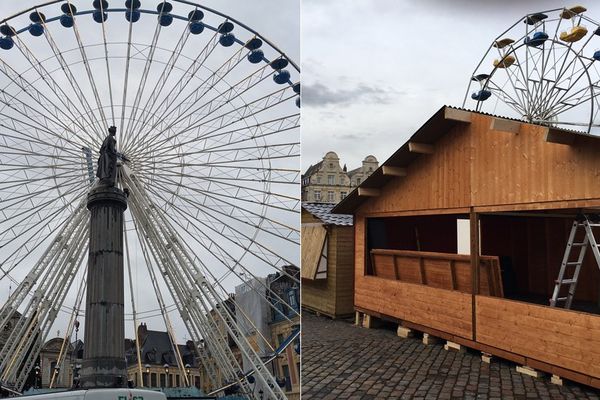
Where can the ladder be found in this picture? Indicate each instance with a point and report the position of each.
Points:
(587, 222)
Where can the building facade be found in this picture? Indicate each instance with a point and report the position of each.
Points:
(328, 182)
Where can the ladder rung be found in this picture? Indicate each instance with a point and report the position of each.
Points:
(573, 263)
(566, 281)
(594, 225)
(578, 244)
(561, 298)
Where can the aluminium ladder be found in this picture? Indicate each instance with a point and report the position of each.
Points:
(587, 223)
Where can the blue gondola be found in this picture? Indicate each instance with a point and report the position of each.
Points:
(6, 43)
(196, 27)
(298, 102)
(256, 56)
(596, 55)
(100, 5)
(281, 77)
(164, 8)
(253, 43)
(36, 29)
(279, 63)
(37, 17)
(136, 4)
(99, 16)
(481, 95)
(225, 27)
(132, 16)
(227, 39)
(537, 39)
(66, 20)
(165, 19)
(7, 30)
(195, 15)
(297, 88)
(68, 9)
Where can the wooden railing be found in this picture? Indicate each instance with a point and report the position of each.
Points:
(440, 270)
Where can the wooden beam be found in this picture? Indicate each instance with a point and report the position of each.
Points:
(368, 192)
(421, 148)
(505, 125)
(559, 136)
(457, 115)
(393, 171)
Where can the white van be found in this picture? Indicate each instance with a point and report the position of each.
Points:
(101, 394)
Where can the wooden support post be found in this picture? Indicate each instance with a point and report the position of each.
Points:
(404, 332)
(486, 358)
(393, 171)
(358, 318)
(367, 321)
(474, 225)
(522, 369)
(420, 148)
(428, 339)
(557, 380)
(368, 192)
(454, 346)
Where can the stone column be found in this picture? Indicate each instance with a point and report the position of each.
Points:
(104, 351)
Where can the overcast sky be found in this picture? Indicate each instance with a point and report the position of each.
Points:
(375, 70)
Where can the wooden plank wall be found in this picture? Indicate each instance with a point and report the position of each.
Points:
(440, 270)
(565, 338)
(445, 310)
(343, 253)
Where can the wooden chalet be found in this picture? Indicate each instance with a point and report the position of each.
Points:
(327, 261)
(461, 233)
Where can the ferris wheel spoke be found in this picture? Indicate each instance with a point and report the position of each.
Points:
(39, 98)
(224, 256)
(241, 215)
(160, 83)
(170, 105)
(33, 116)
(199, 113)
(142, 83)
(233, 236)
(48, 78)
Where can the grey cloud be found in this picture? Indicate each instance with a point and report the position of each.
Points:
(320, 95)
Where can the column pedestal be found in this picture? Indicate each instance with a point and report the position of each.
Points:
(104, 351)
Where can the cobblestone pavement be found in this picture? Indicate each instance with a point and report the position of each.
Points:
(342, 361)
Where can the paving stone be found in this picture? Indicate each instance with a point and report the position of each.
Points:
(342, 361)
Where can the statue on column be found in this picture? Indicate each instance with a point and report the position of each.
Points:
(107, 162)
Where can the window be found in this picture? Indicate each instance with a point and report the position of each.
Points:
(343, 195)
(279, 339)
(286, 374)
(197, 381)
(292, 296)
(330, 165)
(318, 179)
(330, 179)
(330, 196)
(177, 382)
(357, 181)
(153, 380)
(317, 195)
(163, 380)
(145, 378)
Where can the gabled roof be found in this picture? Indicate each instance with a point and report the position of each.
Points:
(312, 169)
(438, 125)
(323, 212)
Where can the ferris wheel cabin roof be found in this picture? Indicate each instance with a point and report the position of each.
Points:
(445, 126)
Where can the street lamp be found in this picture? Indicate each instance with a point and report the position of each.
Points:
(166, 367)
(147, 366)
(188, 372)
(37, 376)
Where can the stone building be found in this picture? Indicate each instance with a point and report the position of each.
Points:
(328, 182)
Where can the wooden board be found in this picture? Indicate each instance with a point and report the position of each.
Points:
(445, 310)
(440, 270)
(567, 339)
(313, 239)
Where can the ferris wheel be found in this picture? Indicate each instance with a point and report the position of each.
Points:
(207, 118)
(544, 69)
